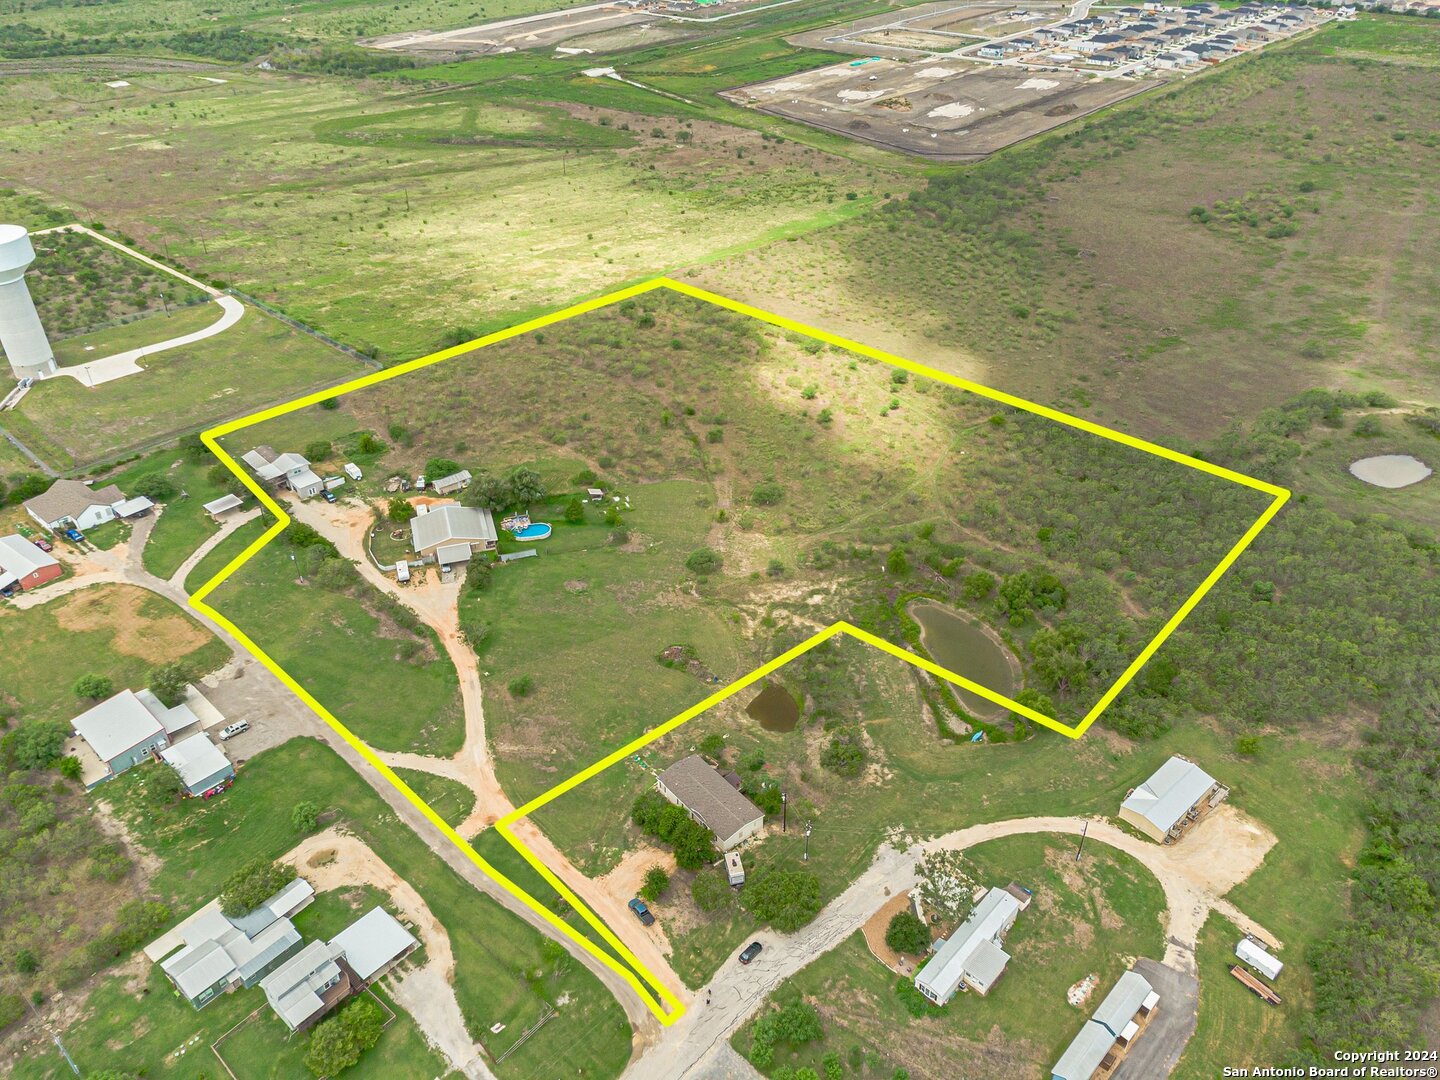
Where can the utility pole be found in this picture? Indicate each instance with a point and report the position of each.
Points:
(784, 812)
(806, 856)
(1084, 828)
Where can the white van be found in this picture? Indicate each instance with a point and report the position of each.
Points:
(353, 471)
(237, 728)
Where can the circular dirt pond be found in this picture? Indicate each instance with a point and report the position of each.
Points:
(1390, 470)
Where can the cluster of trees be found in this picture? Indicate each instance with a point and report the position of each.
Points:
(845, 756)
(670, 824)
(339, 1041)
(793, 1024)
(518, 489)
(786, 899)
(252, 884)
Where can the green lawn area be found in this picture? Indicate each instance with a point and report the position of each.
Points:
(394, 688)
(166, 1039)
(504, 972)
(150, 330)
(256, 362)
(108, 535)
(1086, 918)
(220, 555)
(451, 799)
(334, 909)
(117, 630)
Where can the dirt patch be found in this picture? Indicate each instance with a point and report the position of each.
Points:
(130, 615)
(874, 931)
(576, 586)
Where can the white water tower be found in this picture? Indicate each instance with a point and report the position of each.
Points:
(21, 334)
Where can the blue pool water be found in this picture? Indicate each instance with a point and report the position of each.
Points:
(536, 531)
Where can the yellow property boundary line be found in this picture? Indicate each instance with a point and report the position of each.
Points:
(660, 999)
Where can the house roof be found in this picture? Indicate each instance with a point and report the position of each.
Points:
(222, 504)
(258, 458)
(117, 724)
(293, 989)
(1173, 789)
(450, 554)
(461, 477)
(1084, 1054)
(372, 941)
(451, 523)
(196, 759)
(281, 466)
(1122, 1002)
(943, 972)
(704, 792)
(171, 719)
(130, 507)
(71, 498)
(216, 949)
(285, 902)
(20, 557)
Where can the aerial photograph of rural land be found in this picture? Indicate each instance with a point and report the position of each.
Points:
(719, 539)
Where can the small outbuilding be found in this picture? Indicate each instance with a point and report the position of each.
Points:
(454, 482)
(1254, 954)
(218, 508)
(734, 868)
(25, 566)
(1171, 800)
(374, 943)
(203, 766)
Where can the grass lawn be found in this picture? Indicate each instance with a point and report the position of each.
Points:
(108, 535)
(451, 799)
(395, 689)
(115, 630)
(166, 1039)
(1088, 918)
(503, 971)
(139, 334)
(256, 362)
(220, 555)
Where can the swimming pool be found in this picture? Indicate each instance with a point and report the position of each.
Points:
(536, 531)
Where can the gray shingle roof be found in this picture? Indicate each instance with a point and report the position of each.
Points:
(705, 793)
(70, 498)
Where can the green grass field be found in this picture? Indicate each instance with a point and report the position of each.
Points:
(150, 330)
(451, 799)
(393, 688)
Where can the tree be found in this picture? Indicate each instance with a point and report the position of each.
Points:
(168, 682)
(305, 816)
(655, 883)
(477, 572)
(37, 744)
(94, 686)
(155, 486)
(713, 745)
(486, 490)
(524, 488)
(71, 769)
(907, 934)
(252, 884)
(786, 899)
(896, 564)
(845, 756)
(575, 511)
(612, 516)
(400, 510)
(691, 843)
(319, 450)
(437, 468)
(978, 585)
(703, 561)
(26, 962)
(331, 1049)
(710, 891)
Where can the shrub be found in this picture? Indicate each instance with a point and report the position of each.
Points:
(703, 561)
(94, 686)
(845, 756)
(305, 816)
(524, 686)
(319, 450)
(710, 891)
(155, 486)
(767, 494)
(70, 768)
(254, 883)
(786, 899)
(168, 682)
(575, 511)
(1247, 745)
(655, 883)
(438, 467)
(713, 745)
(897, 564)
(26, 962)
(907, 934)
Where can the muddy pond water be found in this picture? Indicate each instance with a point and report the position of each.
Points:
(775, 708)
(965, 647)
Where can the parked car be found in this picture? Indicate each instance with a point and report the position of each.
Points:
(328, 495)
(751, 951)
(419, 483)
(231, 730)
(74, 534)
(43, 544)
(641, 911)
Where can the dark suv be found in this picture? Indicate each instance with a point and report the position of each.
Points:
(641, 911)
(751, 951)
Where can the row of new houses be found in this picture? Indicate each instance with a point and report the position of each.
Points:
(211, 953)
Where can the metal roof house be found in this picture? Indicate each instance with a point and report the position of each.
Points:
(131, 727)
(203, 766)
(693, 784)
(69, 504)
(221, 953)
(1110, 1031)
(309, 984)
(973, 955)
(1170, 799)
(452, 526)
(1254, 954)
(285, 471)
(25, 566)
(373, 943)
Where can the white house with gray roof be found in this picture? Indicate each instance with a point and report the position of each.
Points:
(457, 531)
(1171, 799)
(973, 955)
(69, 504)
(288, 470)
(692, 783)
(309, 984)
(203, 766)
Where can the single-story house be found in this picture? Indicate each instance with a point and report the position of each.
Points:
(223, 505)
(1116, 1023)
(25, 566)
(374, 943)
(69, 504)
(129, 728)
(220, 953)
(309, 985)
(695, 785)
(1113, 58)
(454, 482)
(203, 766)
(1254, 954)
(285, 471)
(972, 955)
(1174, 796)
(452, 526)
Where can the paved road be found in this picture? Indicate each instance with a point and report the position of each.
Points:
(1156, 1052)
(118, 365)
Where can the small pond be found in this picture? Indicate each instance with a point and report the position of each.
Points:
(963, 646)
(1390, 470)
(775, 708)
